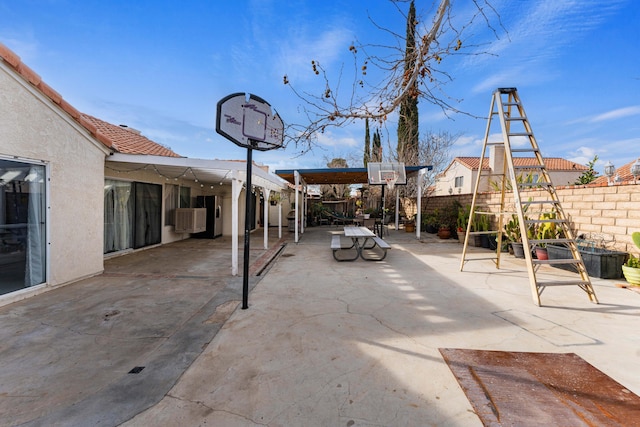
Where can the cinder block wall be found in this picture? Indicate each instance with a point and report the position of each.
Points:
(605, 214)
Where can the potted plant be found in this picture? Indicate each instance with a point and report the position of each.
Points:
(545, 231)
(631, 269)
(410, 224)
(444, 231)
(463, 221)
(448, 218)
(514, 236)
(431, 222)
(483, 223)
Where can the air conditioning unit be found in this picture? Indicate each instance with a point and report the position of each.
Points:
(191, 220)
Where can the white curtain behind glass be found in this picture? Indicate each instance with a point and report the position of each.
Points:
(35, 260)
(117, 215)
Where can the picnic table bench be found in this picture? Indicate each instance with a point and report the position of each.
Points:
(360, 249)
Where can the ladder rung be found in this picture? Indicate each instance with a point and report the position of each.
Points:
(493, 174)
(564, 283)
(480, 259)
(552, 241)
(520, 134)
(556, 261)
(495, 143)
(534, 184)
(542, 221)
(477, 233)
(525, 150)
(529, 167)
(541, 202)
(511, 119)
(497, 213)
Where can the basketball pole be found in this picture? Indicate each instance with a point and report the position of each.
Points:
(247, 229)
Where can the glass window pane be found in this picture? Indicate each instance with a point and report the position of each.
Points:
(185, 197)
(22, 225)
(118, 215)
(148, 213)
(170, 203)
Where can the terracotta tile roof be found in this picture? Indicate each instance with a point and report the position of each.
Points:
(117, 138)
(624, 172)
(124, 139)
(552, 163)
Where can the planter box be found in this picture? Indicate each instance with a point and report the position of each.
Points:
(601, 263)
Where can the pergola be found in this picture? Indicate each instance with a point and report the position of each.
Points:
(209, 172)
(301, 178)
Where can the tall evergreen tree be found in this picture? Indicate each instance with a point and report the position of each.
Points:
(408, 120)
(376, 150)
(367, 143)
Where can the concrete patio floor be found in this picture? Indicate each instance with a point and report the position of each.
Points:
(322, 343)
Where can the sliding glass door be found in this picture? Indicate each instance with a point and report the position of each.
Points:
(22, 225)
(132, 215)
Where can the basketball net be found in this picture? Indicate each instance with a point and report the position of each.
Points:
(391, 182)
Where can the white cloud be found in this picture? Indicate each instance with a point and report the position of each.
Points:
(296, 54)
(583, 155)
(539, 30)
(328, 139)
(617, 114)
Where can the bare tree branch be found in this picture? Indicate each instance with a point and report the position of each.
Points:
(377, 100)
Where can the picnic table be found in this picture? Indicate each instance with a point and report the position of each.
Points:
(362, 241)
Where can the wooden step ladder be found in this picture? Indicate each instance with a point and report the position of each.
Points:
(551, 221)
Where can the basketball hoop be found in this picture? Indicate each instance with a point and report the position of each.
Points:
(391, 181)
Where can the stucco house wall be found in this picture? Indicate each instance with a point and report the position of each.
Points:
(34, 128)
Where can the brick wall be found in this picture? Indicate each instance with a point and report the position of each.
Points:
(605, 214)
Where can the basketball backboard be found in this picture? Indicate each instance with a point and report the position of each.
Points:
(379, 173)
(248, 122)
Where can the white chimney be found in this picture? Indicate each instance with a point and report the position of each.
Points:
(496, 158)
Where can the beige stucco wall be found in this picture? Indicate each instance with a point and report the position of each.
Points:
(32, 127)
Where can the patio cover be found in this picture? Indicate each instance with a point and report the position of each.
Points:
(208, 172)
(347, 176)
(337, 175)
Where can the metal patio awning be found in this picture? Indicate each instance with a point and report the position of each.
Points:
(337, 175)
(206, 171)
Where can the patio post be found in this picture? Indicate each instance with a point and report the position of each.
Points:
(280, 218)
(266, 192)
(236, 189)
(421, 173)
(297, 209)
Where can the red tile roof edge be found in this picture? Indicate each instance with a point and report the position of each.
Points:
(14, 61)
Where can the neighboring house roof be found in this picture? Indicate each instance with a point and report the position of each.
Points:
(552, 163)
(117, 138)
(624, 172)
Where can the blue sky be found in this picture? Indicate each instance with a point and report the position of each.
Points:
(161, 67)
